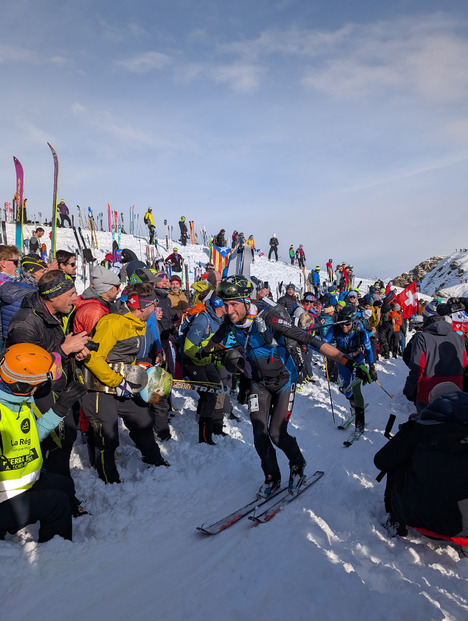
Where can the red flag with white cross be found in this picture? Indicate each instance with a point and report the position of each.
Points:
(408, 300)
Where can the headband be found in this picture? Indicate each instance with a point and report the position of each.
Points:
(52, 289)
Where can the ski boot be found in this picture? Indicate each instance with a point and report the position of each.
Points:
(360, 421)
(296, 476)
(271, 483)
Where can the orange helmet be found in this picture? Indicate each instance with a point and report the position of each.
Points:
(23, 366)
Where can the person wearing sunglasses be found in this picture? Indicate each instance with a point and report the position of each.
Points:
(66, 261)
(10, 292)
(112, 391)
(353, 341)
(27, 492)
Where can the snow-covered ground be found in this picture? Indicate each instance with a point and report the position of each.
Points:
(325, 557)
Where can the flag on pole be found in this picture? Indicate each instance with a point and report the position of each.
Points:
(460, 322)
(220, 257)
(408, 300)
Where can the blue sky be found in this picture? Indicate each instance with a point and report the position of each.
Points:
(342, 126)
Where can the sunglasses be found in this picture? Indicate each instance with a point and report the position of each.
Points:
(15, 261)
(72, 264)
(308, 303)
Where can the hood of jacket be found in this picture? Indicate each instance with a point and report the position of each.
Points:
(452, 407)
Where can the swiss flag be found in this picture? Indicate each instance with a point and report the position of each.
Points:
(408, 300)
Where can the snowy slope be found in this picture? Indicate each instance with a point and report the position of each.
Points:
(326, 556)
(449, 277)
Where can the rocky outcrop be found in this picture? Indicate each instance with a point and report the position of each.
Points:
(418, 272)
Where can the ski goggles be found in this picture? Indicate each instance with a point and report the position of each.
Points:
(54, 373)
(56, 370)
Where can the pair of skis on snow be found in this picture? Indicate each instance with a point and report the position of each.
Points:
(262, 510)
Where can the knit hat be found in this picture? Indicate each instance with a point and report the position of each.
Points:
(103, 280)
(175, 277)
(442, 389)
(32, 264)
(430, 310)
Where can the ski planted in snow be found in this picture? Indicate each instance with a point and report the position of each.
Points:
(53, 245)
(273, 509)
(167, 235)
(19, 203)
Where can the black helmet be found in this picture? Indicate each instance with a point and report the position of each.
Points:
(347, 313)
(259, 284)
(235, 288)
(233, 361)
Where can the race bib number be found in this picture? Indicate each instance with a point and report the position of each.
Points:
(253, 403)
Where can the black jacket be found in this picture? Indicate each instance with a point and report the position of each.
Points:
(289, 301)
(427, 464)
(34, 324)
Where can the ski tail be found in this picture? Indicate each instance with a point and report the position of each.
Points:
(54, 202)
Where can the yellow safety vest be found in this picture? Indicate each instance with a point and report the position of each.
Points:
(20, 451)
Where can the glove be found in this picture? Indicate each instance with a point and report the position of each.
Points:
(126, 389)
(362, 373)
(200, 355)
(373, 372)
(72, 393)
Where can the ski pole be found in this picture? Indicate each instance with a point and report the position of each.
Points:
(329, 390)
(387, 393)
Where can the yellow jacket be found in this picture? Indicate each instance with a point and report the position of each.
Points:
(120, 338)
(149, 218)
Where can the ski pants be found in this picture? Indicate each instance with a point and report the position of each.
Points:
(351, 387)
(208, 406)
(103, 411)
(151, 229)
(273, 249)
(270, 406)
(57, 447)
(48, 501)
(395, 343)
(64, 218)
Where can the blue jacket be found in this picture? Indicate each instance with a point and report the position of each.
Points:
(355, 345)
(11, 295)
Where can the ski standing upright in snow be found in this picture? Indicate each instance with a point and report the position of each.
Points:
(19, 203)
(54, 202)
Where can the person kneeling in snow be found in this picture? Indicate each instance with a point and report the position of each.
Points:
(426, 464)
(27, 493)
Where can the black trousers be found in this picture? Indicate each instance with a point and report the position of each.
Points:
(63, 219)
(48, 501)
(103, 411)
(208, 405)
(57, 447)
(270, 406)
(273, 249)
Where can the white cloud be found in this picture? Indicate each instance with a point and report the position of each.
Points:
(12, 54)
(423, 55)
(148, 61)
(33, 132)
(165, 139)
(240, 77)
